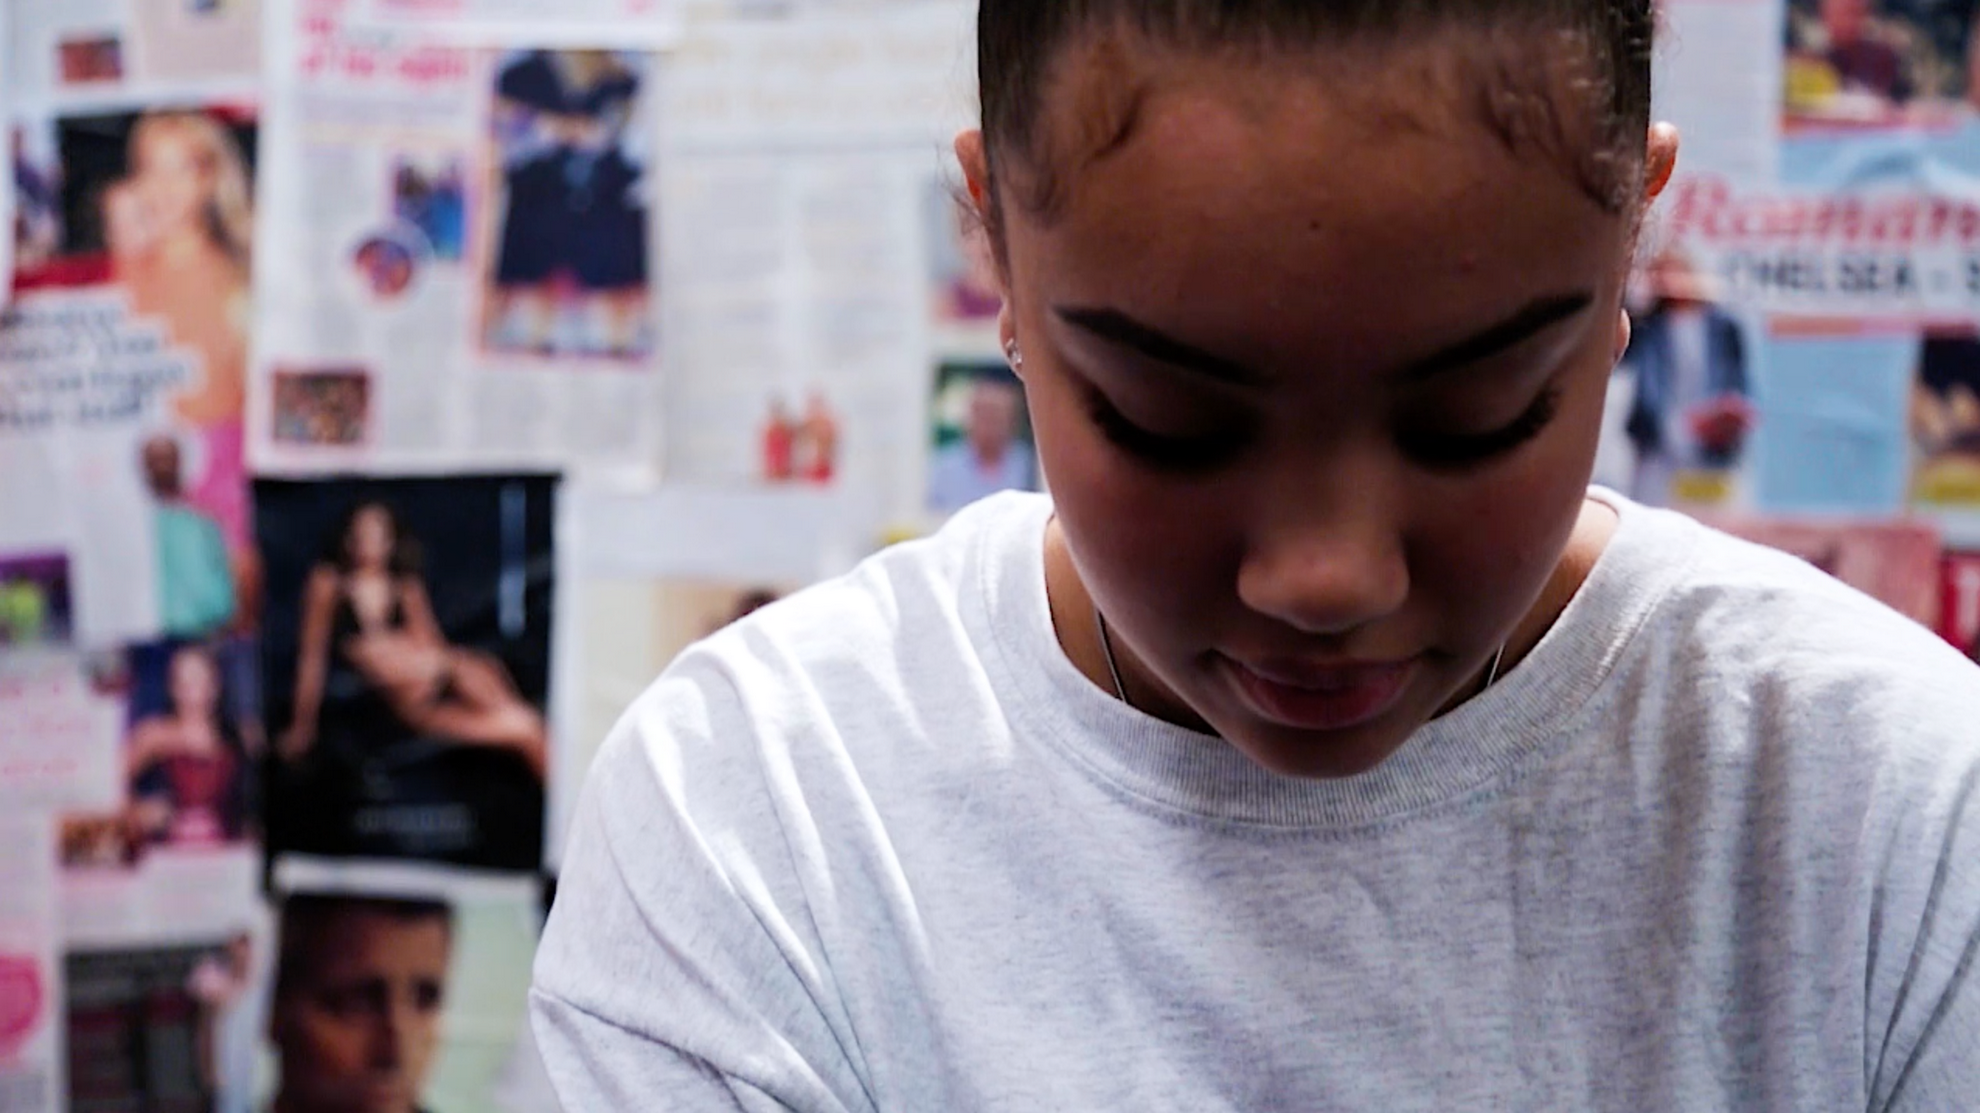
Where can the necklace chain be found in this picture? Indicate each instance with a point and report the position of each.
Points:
(1492, 674)
(1113, 666)
(1120, 689)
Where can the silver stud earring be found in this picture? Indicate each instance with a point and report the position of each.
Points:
(1012, 354)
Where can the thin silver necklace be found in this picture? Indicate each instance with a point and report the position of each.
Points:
(1107, 648)
(1120, 689)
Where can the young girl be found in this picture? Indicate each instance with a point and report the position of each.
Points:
(1324, 742)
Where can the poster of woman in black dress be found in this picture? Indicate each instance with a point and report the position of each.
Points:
(407, 656)
(567, 273)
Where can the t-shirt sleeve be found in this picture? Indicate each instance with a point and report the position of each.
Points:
(1925, 973)
(680, 968)
(602, 1066)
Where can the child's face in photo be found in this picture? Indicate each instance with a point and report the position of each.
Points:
(359, 1030)
(1316, 359)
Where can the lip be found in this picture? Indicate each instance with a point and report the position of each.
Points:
(1321, 696)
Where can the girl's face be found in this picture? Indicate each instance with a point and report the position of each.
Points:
(372, 538)
(176, 180)
(1316, 362)
(195, 684)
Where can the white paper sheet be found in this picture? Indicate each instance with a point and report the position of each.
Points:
(459, 245)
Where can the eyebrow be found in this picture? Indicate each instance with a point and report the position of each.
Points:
(1118, 328)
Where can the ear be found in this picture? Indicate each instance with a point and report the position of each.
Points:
(975, 167)
(1659, 160)
(1624, 330)
(975, 160)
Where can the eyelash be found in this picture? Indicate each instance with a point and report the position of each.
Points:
(1173, 454)
(1446, 451)
(1202, 454)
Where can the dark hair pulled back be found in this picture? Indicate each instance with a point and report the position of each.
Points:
(1019, 40)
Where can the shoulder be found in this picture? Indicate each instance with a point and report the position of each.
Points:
(151, 731)
(1751, 635)
(865, 683)
(900, 612)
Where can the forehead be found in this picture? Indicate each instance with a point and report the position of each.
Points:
(194, 661)
(1363, 193)
(371, 944)
(167, 140)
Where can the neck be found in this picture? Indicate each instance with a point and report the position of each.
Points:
(1592, 533)
(1075, 619)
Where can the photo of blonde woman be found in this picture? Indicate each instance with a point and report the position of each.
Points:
(179, 231)
(157, 208)
(145, 220)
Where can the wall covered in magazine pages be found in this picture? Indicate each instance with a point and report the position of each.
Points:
(388, 391)
(1820, 244)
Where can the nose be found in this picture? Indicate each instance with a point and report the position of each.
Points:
(1326, 558)
(389, 1035)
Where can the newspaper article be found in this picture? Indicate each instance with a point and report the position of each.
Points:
(568, 23)
(59, 732)
(123, 359)
(81, 49)
(801, 157)
(1718, 78)
(1808, 292)
(31, 1037)
(172, 854)
(466, 238)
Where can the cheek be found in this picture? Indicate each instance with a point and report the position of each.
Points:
(1152, 549)
(1488, 544)
(334, 1048)
(425, 1039)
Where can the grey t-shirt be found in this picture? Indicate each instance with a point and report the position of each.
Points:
(1715, 844)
